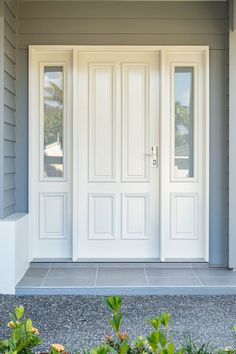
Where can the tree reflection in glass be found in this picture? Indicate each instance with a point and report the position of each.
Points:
(53, 121)
(184, 124)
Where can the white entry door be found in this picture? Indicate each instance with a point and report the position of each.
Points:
(118, 153)
(118, 140)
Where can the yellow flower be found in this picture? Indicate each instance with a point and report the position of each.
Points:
(108, 339)
(11, 324)
(122, 336)
(34, 330)
(58, 347)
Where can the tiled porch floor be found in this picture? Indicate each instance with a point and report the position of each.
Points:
(125, 278)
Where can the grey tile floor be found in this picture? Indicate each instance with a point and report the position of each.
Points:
(50, 276)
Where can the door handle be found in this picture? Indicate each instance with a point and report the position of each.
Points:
(154, 156)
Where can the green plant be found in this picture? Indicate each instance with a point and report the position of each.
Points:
(156, 343)
(23, 337)
(190, 347)
(227, 350)
(57, 348)
(158, 340)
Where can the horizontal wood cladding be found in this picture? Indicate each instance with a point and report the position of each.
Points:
(9, 132)
(214, 41)
(9, 198)
(9, 182)
(9, 106)
(114, 23)
(10, 83)
(157, 26)
(9, 210)
(9, 147)
(9, 15)
(112, 10)
(12, 7)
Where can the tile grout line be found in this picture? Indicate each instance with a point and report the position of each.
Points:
(198, 278)
(96, 276)
(46, 275)
(145, 272)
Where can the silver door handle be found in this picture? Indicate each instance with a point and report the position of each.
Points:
(154, 156)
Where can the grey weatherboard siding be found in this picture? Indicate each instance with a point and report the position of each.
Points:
(141, 23)
(8, 117)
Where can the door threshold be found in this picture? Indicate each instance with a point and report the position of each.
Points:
(148, 262)
(51, 260)
(119, 260)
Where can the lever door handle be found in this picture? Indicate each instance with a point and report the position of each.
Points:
(154, 156)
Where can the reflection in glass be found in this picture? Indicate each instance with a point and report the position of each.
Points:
(53, 121)
(184, 124)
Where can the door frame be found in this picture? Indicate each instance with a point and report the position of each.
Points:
(74, 49)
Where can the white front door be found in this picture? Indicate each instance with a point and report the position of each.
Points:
(118, 152)
(118, 128)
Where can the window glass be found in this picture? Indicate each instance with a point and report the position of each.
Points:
(184, 123)
(53, 121)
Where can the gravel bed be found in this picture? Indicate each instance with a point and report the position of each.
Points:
(80, 321)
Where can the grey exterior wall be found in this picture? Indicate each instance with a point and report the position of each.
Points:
(8, 108)
(141, 23)
(232, 140)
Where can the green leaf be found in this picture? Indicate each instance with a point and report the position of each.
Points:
(153, 340)
(115, 322)
(171, 348)
(112, 350)
(155, 322)
(162, 339)
(28, 325)
(124, 347)
(113, 303)
(165, 317)
(103, 349)
(19, 311)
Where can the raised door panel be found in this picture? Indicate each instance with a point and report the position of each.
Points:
(184, 216)
(135, 121)
(53, 215)
(101, 123)
(101, 216)
(135, 216)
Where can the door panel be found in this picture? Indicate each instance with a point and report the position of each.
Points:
(135, 122)
(101, 118)
(50, 155)
(185, 156)
(118, 115)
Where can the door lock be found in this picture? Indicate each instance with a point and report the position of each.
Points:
(154, 156)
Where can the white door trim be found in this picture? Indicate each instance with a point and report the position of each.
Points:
(75, 175)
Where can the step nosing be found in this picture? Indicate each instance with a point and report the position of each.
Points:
(129, 287)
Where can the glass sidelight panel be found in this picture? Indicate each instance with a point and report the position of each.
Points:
(184, 123)
(53, 121)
